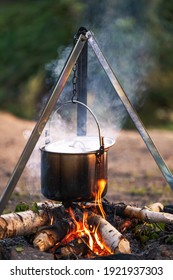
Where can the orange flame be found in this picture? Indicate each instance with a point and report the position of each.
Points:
(94, 243)
(98, 196)
(51, 220)
(87, 231)
(97, 238)
(82, 228)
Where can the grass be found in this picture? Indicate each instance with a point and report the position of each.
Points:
(137, 191)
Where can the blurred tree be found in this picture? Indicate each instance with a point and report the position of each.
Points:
(31, 32)
(136, 36)
(160, 91)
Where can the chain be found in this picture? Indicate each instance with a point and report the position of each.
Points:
(74, 81)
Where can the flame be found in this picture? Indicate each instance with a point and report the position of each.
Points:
(83, 230)
(97, 238)
(87, 231)
(51, 220)
(78, 224)
(98, 196)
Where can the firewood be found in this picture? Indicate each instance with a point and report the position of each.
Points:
(120, 256)
(73, 250)
(48, 236)
(26, 222)
(111, 239)
(146, 214)
(108, 235)
(156, 207)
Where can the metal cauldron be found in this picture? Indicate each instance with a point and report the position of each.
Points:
(71, 169)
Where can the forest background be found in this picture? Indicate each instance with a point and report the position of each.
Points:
(135, 35)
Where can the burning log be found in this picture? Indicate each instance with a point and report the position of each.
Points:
(73, 250)
(48, 236)
(109, 237)
(56, 227)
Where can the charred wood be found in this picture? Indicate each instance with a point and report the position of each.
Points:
(48, 236)
(109, 237)
(75, 249)
(120, 256)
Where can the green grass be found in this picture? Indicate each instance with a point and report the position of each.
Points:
(137, 191)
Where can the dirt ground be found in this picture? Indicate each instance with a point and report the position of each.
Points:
(133, 174)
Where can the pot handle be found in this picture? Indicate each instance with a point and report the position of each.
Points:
(101, 138)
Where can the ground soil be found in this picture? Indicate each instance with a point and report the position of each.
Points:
(133, 174)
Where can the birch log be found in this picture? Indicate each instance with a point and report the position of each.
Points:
(48, 236)
(145, 214)
(112, 240)
(108, 235)
(24, 223)
(27, 222)
(156, 207)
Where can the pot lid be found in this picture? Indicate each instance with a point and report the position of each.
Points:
(77, 145)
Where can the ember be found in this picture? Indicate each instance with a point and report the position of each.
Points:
(83, 223)
(86, 233)
(99, 235)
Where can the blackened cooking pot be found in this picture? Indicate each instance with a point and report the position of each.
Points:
(72, 169)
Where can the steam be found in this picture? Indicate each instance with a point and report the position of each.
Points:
(127, 47)
(128, 52)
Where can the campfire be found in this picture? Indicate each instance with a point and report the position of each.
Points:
(86, 223)
(78, 228)
(87, 230)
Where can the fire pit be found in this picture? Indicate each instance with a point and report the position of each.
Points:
(85, 231)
